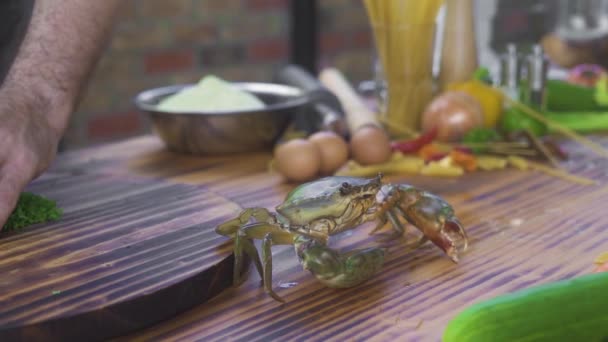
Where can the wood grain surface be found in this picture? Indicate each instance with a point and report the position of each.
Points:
(526, 228)
(127, 253)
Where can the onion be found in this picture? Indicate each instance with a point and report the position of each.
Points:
(453, 113)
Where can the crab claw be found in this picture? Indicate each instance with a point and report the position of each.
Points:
(452, 239)
(449, 235)
(435, 219)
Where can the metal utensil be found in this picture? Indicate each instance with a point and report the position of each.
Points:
(537, 69)
(511, 69)
(228, 131)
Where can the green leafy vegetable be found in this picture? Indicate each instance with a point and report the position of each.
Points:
(515, 120)
(481, 135)
(32, 209)
(483, 74)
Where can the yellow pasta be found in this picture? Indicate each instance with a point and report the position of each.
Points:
(404, 35)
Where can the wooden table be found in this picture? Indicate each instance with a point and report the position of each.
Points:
(526, 228)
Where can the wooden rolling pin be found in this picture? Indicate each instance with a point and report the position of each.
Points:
(369, 142)
(459, 47)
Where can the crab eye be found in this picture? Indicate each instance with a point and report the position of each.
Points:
(345, 188)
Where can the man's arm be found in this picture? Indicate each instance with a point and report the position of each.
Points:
(63, 42)
(61, 46)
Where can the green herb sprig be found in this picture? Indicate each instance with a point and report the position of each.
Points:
(32, 209)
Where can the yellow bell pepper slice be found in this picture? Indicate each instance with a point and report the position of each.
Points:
(490, 100)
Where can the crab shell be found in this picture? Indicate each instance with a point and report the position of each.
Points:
(328, 198)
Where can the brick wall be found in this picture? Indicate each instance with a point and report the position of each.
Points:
(161, 42)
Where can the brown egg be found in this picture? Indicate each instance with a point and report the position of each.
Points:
(370, 145)
(298, 160)
(334, 150)
(453, 114)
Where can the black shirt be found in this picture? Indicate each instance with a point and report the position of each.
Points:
(14, 18)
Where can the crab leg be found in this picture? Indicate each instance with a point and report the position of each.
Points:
(391, 214)
(238, 229)
(274, 238)
(270, 235)
(244, 244)
(335, 269)
(230, 227)
(380, 225)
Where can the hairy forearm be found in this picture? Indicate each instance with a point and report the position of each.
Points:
(62, 44)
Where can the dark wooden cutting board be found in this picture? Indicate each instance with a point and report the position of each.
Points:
(127, 253)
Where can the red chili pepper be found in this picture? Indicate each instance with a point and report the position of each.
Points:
(412, 146)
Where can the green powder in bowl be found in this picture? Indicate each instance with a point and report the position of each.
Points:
(211, 94)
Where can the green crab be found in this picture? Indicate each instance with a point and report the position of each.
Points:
(316, 210)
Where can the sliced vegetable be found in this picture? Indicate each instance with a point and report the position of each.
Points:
(432, 152)
(489, 163)
(464, 160)
(518, 163)
(601, 259)
(568, 310)
(440, 169)
(602, 263)
(398, 164)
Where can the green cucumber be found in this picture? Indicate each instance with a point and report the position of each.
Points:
(564, 96)
(568, 310)
(583, 122)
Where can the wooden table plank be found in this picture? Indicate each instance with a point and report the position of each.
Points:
(526, 228)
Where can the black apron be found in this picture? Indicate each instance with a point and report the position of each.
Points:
(14, 18)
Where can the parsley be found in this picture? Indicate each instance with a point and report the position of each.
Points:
(32, 209)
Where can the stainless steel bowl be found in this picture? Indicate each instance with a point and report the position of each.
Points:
(224, 132)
